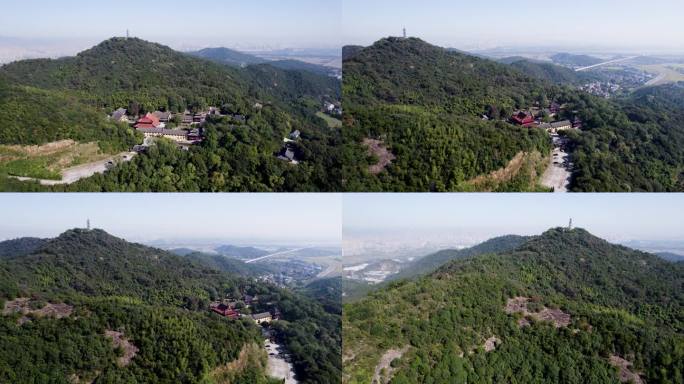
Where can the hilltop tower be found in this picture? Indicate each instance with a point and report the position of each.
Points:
(404, 33)
(88, 223)
(127, 34)
(570, 225)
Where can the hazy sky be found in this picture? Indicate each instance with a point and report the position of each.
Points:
(653, 24)
(616, 217)
(307, 218)
(237, 23)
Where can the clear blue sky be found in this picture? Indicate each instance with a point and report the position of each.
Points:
(472, 24)
(612, 216)
(309, 218)
(289, 23)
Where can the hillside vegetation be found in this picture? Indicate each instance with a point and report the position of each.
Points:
(430, 263)
(563, 307)
(84, 285)
(425, 105)
(77, 93)
(35, 116)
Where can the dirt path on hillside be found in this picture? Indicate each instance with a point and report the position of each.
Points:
(279, 365)
(557, 175)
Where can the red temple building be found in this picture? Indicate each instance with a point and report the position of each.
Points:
(147, 121)
(523, 118)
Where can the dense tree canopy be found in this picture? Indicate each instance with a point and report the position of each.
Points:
(425, 104)
(68, 98)
(157, 300)
(620, 302)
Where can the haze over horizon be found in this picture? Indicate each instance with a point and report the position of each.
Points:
(289, 218)
(467, 219)
(70, 26)
(586, 26)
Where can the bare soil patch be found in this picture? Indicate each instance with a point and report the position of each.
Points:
(22, 305)
(384, 370)
(519, 305)
(625, 370)
(377, 148)
(129, 349)
(491, 343)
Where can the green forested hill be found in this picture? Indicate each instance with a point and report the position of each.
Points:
(119, 71)
(328, 292)
(607, 301)
(75, 94)
(37, 116)
(424, 105)
(576, 60)
(227, 56)
(631, 144)
(413, 72)
(160, 303)
(431, 262)
(236, 58)
(20, 246)
(551, 73)
(228, 264)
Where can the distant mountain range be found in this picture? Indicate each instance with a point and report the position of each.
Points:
(241, 252)
(236, 58)
(575, 60)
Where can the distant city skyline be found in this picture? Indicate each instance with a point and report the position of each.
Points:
(285, 218)
(617, 25)
(236, 23)
(471, 218)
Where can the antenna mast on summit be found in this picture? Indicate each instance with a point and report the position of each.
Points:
(404, 33)
(88, 223)
(127, 34)
(570, 224)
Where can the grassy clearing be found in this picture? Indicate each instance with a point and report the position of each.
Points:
(47, 161)
(332, 122)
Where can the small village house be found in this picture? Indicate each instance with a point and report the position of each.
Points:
(287, 154)
(173, 134)
(120, 115)
(264, 317)
(556, 126)
(163, 117)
